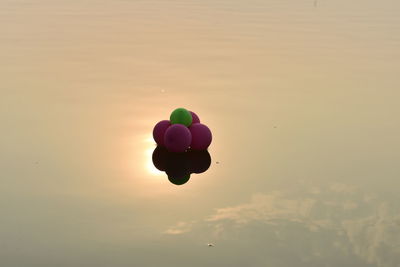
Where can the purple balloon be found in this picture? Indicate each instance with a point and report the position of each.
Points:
(177, 138)
(159, 131)
(195, 118)
(201, 136)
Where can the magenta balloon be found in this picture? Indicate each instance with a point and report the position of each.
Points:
(177, 138)
(195, 118)
(159, 131)
(201, 136)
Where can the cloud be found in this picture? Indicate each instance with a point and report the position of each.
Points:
(179, 228)
(265, 208)
(356, 222)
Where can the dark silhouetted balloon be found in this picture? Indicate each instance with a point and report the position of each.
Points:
(200, 161)
(178, 180)
(159, 157)
(177, 163)
(179, 166)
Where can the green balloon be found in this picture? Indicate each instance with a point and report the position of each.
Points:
(181, 116)
(179, 180)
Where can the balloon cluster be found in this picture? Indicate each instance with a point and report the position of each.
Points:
(179, 166)
(182, 131)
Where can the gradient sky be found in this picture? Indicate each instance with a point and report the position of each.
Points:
(301, 96)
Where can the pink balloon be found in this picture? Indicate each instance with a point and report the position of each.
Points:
(201, 136)
(159, 131)
(177, 138)
(195, 118)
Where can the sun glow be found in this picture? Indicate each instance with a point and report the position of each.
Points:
(148, 155)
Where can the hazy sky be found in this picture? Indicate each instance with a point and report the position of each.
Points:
(301, 96)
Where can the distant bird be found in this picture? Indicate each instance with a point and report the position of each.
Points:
(210, 245)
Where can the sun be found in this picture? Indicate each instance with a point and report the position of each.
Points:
(149, 166)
